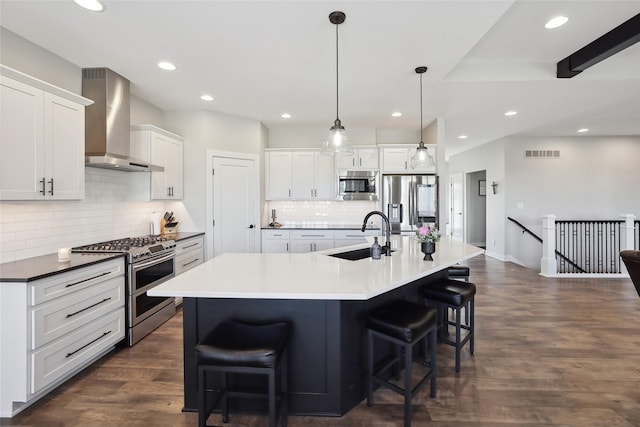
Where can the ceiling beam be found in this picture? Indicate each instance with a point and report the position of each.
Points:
(621, 37)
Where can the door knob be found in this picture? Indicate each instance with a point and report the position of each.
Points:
(251, 226)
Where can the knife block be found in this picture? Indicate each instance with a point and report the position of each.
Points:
(167, 230)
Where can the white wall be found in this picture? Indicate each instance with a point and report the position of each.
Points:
(595, 178)
(202, 131)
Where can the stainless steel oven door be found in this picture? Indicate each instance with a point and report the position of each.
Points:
(144, 276)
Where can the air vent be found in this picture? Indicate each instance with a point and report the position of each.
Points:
(541, 154)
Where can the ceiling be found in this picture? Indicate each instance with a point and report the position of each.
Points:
(259, 59)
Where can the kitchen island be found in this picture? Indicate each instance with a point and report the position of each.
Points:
(325, 298)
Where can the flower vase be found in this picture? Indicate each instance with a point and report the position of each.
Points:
(427, 249)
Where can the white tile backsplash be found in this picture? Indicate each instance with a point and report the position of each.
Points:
(116, 205)
(321, 213)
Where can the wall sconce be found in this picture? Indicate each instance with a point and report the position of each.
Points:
(494, 185)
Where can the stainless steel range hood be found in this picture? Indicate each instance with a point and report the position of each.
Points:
(108, 121)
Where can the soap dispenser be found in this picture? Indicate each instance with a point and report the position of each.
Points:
(376, 249)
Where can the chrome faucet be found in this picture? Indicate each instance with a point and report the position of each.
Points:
(387, 246)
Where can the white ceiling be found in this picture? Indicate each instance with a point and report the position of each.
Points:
(262, 58)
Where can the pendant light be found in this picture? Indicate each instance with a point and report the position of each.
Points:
(337, 142)
(422, 159)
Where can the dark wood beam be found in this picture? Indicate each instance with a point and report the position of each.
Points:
(621, 37)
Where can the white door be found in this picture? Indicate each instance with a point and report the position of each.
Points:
(235, 198)
(457, 207)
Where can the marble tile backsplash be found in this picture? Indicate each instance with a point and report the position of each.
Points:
(321, 212)
(116, 205)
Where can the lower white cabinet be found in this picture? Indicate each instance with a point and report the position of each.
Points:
(189, 254)
(53, 327)
(311, 240)
(275, 241)
(353, 237)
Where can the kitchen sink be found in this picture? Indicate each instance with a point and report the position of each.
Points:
(354, 255)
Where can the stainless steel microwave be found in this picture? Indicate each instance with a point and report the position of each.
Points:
(357, 185)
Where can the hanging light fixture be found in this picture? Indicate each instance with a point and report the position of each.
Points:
(337, 142)
(422, 159)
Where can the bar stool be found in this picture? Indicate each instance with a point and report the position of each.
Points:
(405, 324)
(448, 294)
(458, 271)
(237, 347)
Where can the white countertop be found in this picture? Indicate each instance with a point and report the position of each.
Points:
(313, 275)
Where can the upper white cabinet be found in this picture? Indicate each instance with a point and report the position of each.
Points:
(397, 159)
(41, 139)
(363, 158)
(299, 175)
(162, 148)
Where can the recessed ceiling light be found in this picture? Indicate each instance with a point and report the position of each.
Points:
(462, 137)
(396, 114)
(583, 130)
(285, 115)
(511, 113)
(166, 65)
(556, 22)
(206, 98)
(92, 5)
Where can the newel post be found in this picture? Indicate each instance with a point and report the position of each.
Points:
(626, 237)
(548, 264)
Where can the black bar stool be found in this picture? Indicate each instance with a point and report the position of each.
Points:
(448, 294)
(236, 347)
(405, 324)
(458, 271)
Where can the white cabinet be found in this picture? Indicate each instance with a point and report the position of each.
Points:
(275, 241)
(398, 159)
(162, 148)
(189, 254)
(299, 175)
(51, 328)
(353, 237)
(278, 175)
(311, 240)
(41, 140)
(363, 158)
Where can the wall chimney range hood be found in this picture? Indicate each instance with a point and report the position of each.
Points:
(108, 122)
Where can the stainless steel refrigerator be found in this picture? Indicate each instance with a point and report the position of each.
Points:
(410, 201)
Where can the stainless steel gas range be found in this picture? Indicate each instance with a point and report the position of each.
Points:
(150, 260)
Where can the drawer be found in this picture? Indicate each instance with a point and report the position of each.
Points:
(65, 283)
(275, 234)
(60, 358)
(61, 316)
(188, 260)
(189, 244)
(312, 234)
(355, 234)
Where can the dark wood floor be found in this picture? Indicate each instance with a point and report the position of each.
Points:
(549, 352)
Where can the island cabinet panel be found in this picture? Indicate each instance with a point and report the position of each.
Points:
(327, 347)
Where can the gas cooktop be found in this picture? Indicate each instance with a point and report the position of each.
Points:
(138, 248)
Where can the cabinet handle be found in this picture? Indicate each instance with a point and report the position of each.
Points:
(86, 280)
(405, 165)
(191, 262)
(287, 246)
(168, 191)
(43, 191)
(51, 182)
(87, 308)
(289, 192)
(311, 247)
(104, 334)
(172, 191)
(360, 162)
(190, 246)
(353, 161)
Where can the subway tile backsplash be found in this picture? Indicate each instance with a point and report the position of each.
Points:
(320, 213)
(116, 205)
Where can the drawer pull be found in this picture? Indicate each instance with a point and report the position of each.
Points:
(191, 245)
(191, 262)
(86, 280)
(104, 334)
(87, 308)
